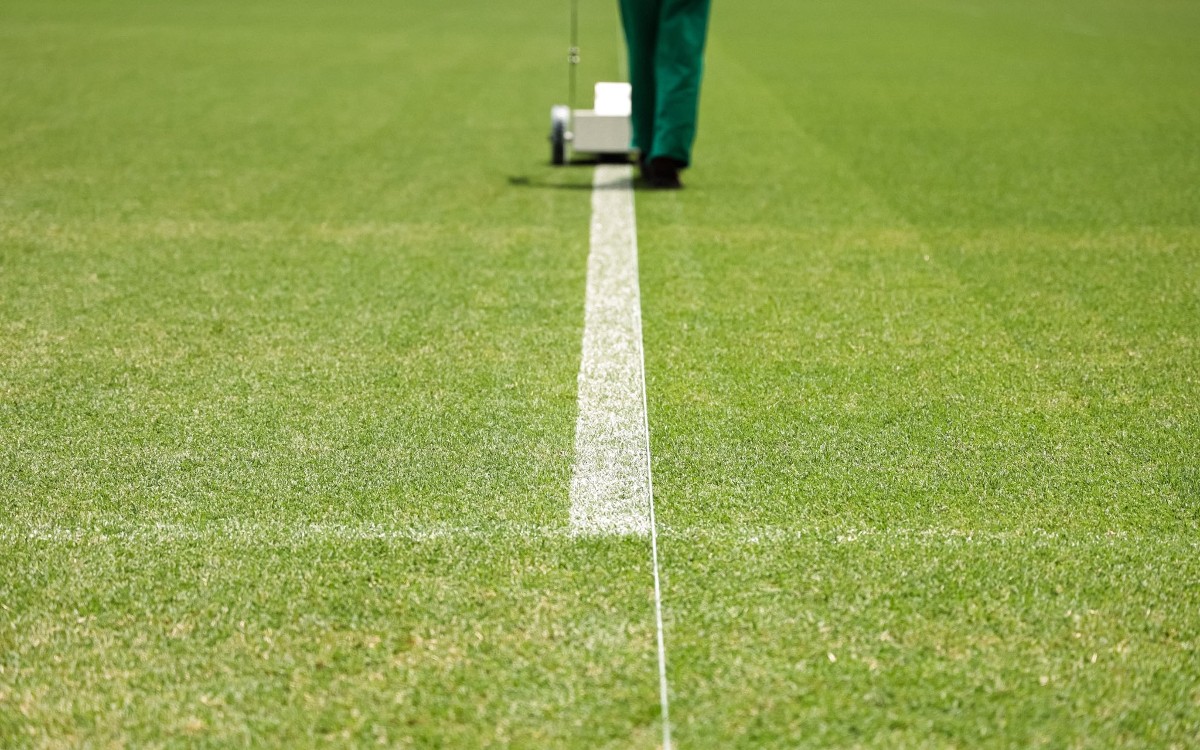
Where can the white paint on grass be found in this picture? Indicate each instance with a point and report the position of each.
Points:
(612, 491)
(284, 532)
(255, 533)
(610, 487)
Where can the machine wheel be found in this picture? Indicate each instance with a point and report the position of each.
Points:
(559, 115)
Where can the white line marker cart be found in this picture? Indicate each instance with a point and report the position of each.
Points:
(603, 130)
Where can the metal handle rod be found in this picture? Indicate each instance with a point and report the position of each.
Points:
(573, 54)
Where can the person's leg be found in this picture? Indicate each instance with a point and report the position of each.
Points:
(640, 19)
(679, 64)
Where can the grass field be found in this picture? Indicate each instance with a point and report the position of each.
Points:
(290, 317)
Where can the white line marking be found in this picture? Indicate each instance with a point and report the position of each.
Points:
(612, 491)
(610, 487)
(658, 618)
(121, 531)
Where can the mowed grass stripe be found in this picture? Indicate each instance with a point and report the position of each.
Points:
(268, 294)
(218, 642)
(937, 283)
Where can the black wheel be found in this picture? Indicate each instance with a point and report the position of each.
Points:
(558, 144)
(558, 135)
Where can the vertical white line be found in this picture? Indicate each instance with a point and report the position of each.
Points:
(609, 493)
(612, 490)
(664, 699)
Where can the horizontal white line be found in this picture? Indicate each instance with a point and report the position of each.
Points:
(240, 532)
(266, 533)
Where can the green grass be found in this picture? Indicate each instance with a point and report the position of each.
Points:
(290, 315)
(288, 637)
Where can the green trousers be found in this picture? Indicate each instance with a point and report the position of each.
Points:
(666, 59)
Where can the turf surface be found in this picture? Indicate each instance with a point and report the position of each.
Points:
(290, 313)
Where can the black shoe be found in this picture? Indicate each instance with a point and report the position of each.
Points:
(662, 173)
